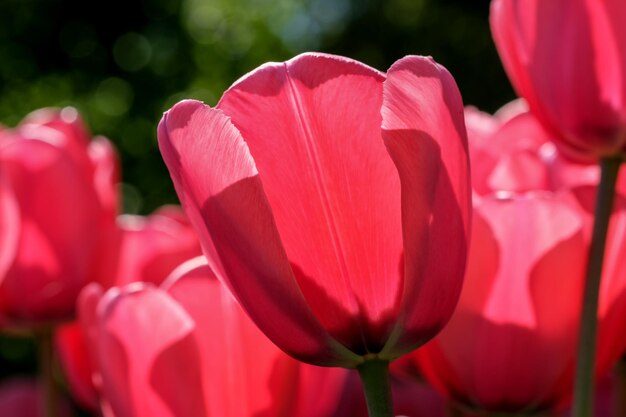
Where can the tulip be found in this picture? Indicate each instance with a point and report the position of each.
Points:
(568, 60)
(293, 183)
(510, 347)
(191, 331)
(64, 189)
(326, 195)
(147, 249)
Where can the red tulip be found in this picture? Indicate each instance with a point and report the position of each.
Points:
(21, 397)
(65, 192)
(148, 249)
(511, 345)
(187, 349)
(567, 58)
(326, 195)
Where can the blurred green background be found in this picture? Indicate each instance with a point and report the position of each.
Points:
(122, 63)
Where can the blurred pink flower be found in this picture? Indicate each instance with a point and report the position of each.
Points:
(65, 191)
(145, 249)
(567, 58)
(187, 349)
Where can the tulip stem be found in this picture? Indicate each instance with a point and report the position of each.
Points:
(49, 392)
(585, 366)
(374, 375)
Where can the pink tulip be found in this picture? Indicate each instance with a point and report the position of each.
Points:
(21, 397)
(567, 58)
(326, 195)
(510, 347)
(65, 193)
(148, 249)
(187, 349)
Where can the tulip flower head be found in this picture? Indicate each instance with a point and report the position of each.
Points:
(64, 189)
(332, 199)
(567, 58)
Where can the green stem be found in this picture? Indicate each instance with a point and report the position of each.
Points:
(49, 404)
(374, 375)
(583, 390)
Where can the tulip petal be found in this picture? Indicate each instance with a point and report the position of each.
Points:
(313, 128)
(146, 341)
(424, 131)
(218, 185)
(152, 247)
(508, 325)
(106, 175)
(237, 376)
(9, 226)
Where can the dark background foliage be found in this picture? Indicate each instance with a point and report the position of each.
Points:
(123, 62)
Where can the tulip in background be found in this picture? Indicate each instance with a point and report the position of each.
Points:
(568, 60)
(187, 349)
(334, 202)
(64, 189)
(147, 249)
(510, 347)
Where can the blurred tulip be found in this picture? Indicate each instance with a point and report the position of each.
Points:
(21, 397)
(326, 195)
(511, 345)
(192, 331)
(148, 249)
(65, 192)
(567, 58)
(511, 152)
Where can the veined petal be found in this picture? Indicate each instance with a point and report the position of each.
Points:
(313, 128)
(424, 131)
(218, 185)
